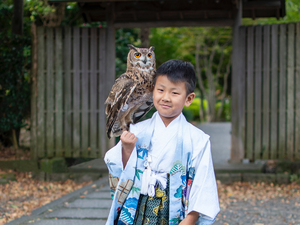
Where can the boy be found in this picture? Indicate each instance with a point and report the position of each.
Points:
(161, 171)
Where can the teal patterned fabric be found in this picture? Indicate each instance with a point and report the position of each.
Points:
(153, 210)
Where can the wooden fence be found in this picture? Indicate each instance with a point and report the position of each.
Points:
(271, 82)
(67, 114)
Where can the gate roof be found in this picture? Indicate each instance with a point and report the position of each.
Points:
(159, 13)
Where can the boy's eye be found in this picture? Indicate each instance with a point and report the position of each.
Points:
(175, 93)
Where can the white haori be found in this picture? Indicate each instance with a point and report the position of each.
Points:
(203, 195)
(158, 164)
(163, 144)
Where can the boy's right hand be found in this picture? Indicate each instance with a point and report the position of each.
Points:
(128, 143)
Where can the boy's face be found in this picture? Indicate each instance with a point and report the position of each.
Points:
(169, 98)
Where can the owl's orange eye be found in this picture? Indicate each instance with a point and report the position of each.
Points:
(150, 55)
(138, 55)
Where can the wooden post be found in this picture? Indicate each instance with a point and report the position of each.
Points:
(250, 94)
(110, 57)
(282, 93)
(266, 93)
(50, 93)
(144, 33)
(33, 97)
(102, 90)
(274, 92)
(237, 146)
(257, 91)
(290, 122)
(67, 49)
(58, 135)
(41, 92)
(93, 93)
(84, 127)
(297, 94)
(76, 92)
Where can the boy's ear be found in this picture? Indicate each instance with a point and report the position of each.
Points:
(189, 99)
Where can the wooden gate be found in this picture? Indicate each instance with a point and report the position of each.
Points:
(69, 92)
(270, 58)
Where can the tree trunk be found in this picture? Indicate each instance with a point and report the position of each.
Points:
(201, 108)
(17, 20)
(145, 32)
(15, 140)
(223, 95)
(201, 85)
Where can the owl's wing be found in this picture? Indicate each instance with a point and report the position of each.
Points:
(117, 99)
(142, 110)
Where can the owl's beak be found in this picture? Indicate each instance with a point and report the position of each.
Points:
(145, 60)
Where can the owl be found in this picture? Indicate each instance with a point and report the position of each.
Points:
(131, 95)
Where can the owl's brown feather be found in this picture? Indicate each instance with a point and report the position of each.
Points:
(131, 95)
(116, 102)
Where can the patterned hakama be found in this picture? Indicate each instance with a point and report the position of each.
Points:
(153, 210)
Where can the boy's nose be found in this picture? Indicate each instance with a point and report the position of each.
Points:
(165, 97)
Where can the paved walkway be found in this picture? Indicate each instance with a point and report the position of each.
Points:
(220, 138)
(277, 211)
(86, 206)
(90, 206)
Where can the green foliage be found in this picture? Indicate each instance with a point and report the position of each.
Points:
(226, 111)
(180, 43)
(72, 16)
(167, 43)
(211, 40)
(6, 9)
(194, 109)
(292, 15)
(14, 81)
(295, 178)
(192, 112)
(38, 8)
(188, 114)
(123, 38)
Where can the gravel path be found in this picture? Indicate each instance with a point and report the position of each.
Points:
(277, 211)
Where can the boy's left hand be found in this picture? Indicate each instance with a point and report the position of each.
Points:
(190, 219)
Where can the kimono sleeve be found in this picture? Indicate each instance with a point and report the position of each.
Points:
(113, 160)
(204, 192)
(114, 163)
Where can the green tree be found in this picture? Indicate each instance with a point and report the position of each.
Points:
(167, 43)
(123, 38)
(209, 50)
(292, 15)
(14, 85)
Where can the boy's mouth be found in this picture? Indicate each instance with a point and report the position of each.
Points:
(165, 106)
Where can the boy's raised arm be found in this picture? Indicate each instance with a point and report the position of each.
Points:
(128, 143)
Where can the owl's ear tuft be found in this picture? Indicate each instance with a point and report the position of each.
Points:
(152, 48)
(132, 47)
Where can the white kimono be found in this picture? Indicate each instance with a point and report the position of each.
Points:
(181, 150)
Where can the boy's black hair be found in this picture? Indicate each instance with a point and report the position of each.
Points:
(178, 71)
